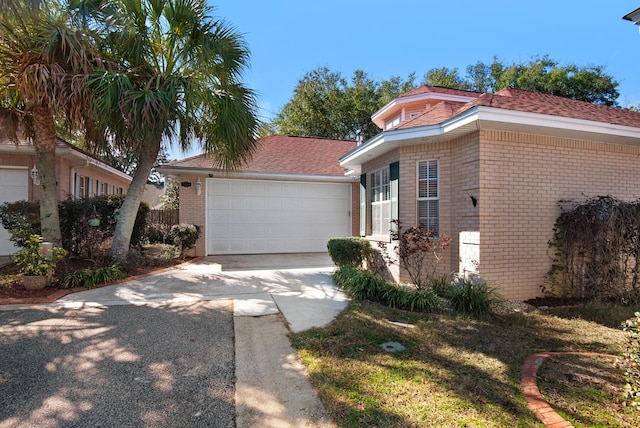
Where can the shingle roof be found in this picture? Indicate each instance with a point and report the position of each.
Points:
(534, 102)
(524, 101)
(286, 154)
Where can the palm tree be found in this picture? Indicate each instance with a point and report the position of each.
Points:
(42, 60)
(175, 78)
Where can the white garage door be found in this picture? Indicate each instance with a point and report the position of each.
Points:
(14, 186)
(253, 217)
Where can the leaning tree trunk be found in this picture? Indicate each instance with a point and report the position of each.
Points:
(129, 210)
(44, 138)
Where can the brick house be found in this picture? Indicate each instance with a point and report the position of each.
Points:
(290, 197)
(488, 171)
(78, 175)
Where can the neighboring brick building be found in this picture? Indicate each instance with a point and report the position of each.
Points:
(78, 175)
(495, 166)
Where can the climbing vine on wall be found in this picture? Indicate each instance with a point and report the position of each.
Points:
(596, 250)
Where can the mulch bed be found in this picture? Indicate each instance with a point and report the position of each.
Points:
(12, 291)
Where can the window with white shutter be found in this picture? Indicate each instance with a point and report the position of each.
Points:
(429, 195)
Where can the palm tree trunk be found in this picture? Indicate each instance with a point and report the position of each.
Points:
(45, 144)
(129, 209)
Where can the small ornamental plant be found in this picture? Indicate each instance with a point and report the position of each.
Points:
(94, 214)
(37, 260)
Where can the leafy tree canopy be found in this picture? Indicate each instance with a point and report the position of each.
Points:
(325, 104)
(540, 74)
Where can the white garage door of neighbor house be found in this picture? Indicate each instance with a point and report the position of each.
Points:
(254, 217)
(14, 186)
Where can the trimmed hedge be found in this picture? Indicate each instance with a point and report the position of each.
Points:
(351, 251)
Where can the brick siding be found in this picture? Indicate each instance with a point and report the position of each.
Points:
(193, 209)
(523, 176)
(518, 180)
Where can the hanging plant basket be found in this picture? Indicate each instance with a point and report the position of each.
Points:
(94, 222)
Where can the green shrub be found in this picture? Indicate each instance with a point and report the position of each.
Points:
(398, 296)
(631, 360)
(35, 259)
(184, 236)
(441, 285)
(361, 284)
(157, 233)
(351, 251)
(472, 298)
(90, 277)
(21, 219)
(89, 242)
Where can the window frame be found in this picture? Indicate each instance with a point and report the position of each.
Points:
(428, 199)
(83, 186)
(382, 202)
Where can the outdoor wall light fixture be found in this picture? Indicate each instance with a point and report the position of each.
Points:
(198, 187)
(474, 200)
(35, 176)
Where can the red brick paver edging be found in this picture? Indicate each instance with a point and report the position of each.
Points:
(529, 386)
(63, 292)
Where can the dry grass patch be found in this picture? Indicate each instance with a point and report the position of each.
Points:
(453, 372)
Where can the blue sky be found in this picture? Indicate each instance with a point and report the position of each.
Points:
(288, 38)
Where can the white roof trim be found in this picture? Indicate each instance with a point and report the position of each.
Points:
(69, 152)
(420, 97)
(281, 176)
(493, 114)
(90, 160)
(481, 116)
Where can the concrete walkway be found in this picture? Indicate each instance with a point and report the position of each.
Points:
(272, 388)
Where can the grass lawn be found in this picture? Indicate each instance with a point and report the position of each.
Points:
(461, 372)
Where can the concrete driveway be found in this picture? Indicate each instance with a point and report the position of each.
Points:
(141, 342)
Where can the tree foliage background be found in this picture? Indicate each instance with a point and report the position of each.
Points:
(325, 104)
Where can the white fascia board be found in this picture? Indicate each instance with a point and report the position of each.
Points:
(68, 153)
(358, 156)
(281, 176)
(515, 117)
(419, 97)
(88, 160)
